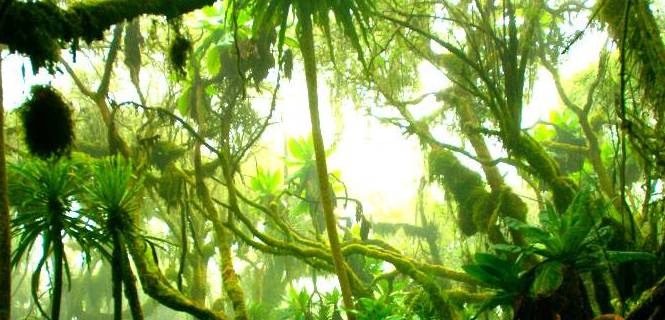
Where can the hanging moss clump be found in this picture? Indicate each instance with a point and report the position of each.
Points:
(178, 53)
(164, 153)
(47, 123)
(465, 185)
(287, 63)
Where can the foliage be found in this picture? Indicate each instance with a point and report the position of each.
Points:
(112, 193)
(501, 274)
(43, 193)
(570, 241)
(472, 134)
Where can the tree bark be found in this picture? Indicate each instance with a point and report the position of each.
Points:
(5, 231)
(306, 39)
(129, 281)
(116, 277)
(58, 256)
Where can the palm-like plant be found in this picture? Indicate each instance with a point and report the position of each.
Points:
(43, 193)
(353, 17)
(568, 244)
(111, 196)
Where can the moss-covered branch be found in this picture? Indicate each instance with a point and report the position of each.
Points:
(45, 28)
(644, 47)
(157, 286)
(650, 305)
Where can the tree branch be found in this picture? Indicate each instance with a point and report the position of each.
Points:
(45, 27)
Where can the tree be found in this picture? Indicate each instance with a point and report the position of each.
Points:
(112, 196)
(5, 234)
(42, 192)
(305, 11)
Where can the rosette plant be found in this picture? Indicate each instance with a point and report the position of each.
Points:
(43, 194)
(112, 198)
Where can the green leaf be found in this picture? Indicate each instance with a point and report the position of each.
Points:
(183, 101)
(301, 149)
(291, 42)
(550, 219)
(531, 233)
(629, 256)
(210, 11)
(213, 60)
(482, 275)
(549, 277)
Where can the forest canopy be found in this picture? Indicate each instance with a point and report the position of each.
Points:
(280, 159)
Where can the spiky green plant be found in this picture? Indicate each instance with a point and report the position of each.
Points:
(564, 245)
(43, 193)
(112, 194)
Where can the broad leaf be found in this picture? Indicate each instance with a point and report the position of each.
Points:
(549, 277)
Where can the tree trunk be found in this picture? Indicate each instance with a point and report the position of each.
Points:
(116, 277)
(129, 280)
(199, 265)
(58, 256)
(306, 39)
(5, 231)
(230, 281)
(569, 302)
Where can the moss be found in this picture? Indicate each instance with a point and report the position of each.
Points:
(478, 209)
(170, 187)
(513, 206)
(178, 52)
(45, 28)
(287, 61)
(40, 25)
(47, 122)
(483, 209)
(419, 303)
(132, 46)
(164, 153)
(464, 184)
(563, 188)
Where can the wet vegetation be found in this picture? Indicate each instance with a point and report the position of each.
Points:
(195, 160)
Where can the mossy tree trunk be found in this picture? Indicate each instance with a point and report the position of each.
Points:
(230, 280)
(5, 231)
(199, 265)
(157, 286)
(129, 281)
(306, 39)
